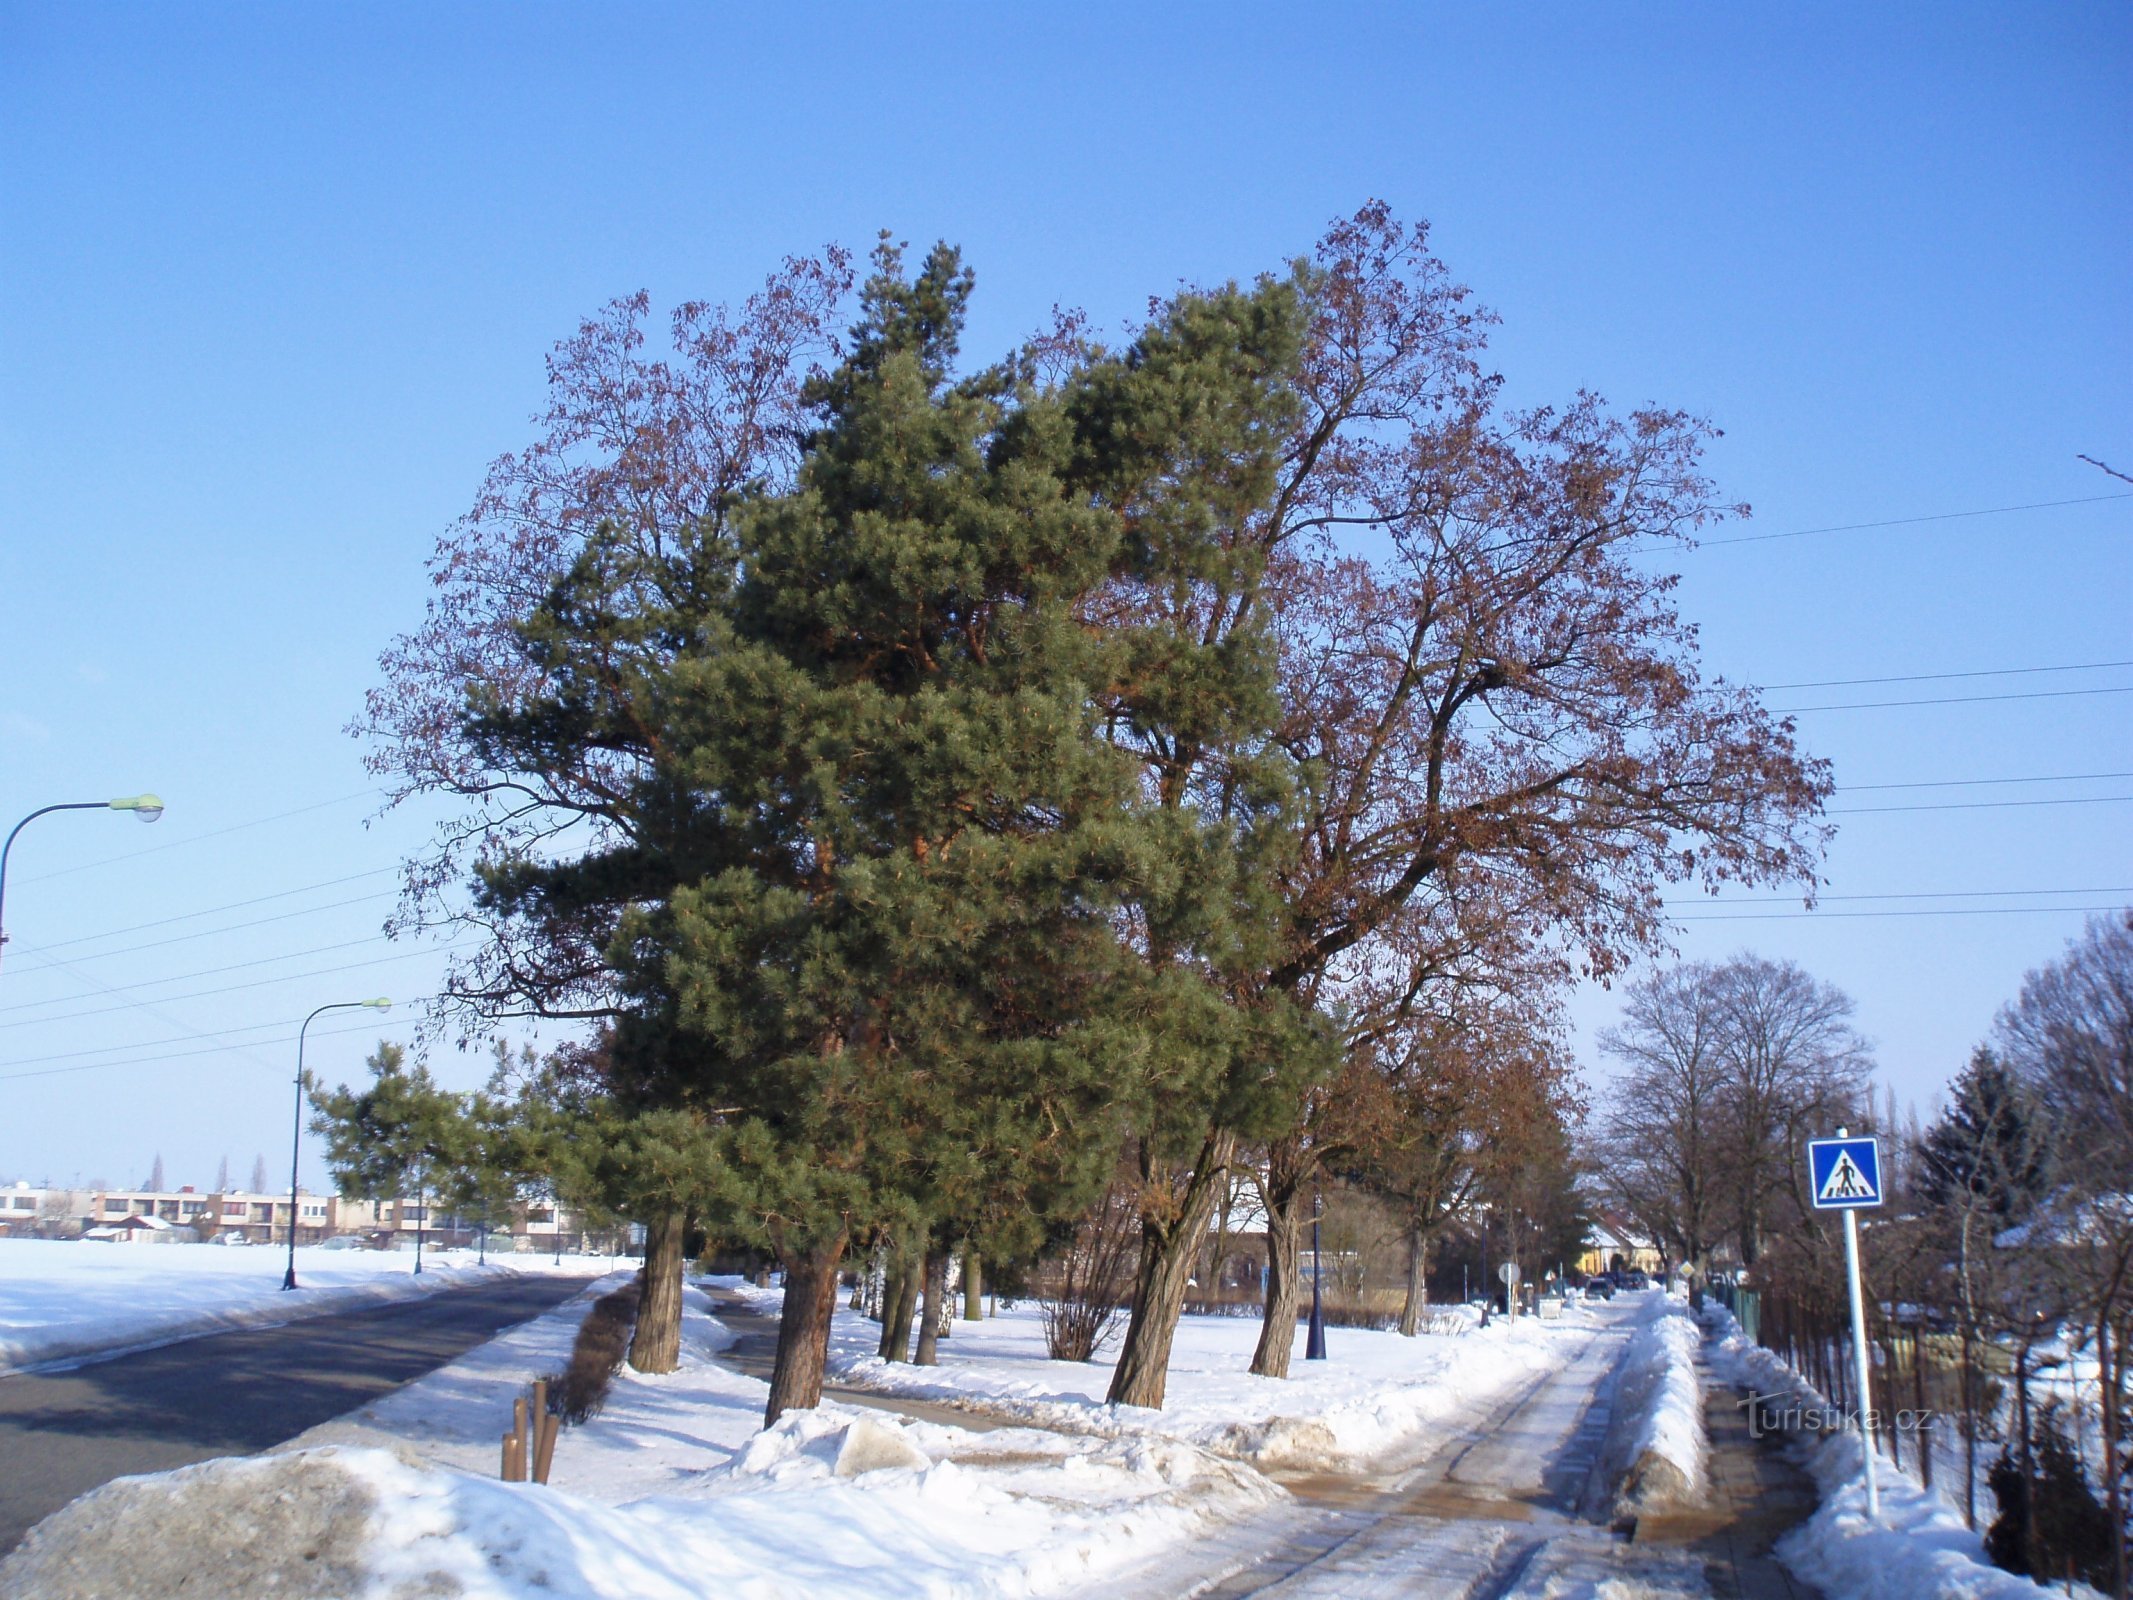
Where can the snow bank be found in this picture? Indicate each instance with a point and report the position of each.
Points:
(1919, 1547)
(794, 1515)
(1378, 1402)
(1657, 1448)
(69, 1300)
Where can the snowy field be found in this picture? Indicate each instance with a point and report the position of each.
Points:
(64, 1299)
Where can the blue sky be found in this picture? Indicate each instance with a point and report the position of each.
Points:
(276, 282)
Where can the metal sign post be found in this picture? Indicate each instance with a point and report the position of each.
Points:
(1509, 1273)
(1845, 1176)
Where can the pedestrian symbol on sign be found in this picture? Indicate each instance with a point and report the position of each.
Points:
(1845, 1181)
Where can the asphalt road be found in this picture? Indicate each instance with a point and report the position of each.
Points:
(64, 1433)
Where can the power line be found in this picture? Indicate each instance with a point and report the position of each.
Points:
(181, 1055)
(1953, 700)
(1905, 522)
(234, 927)
(197, 838)
(191, 916)
(1931, 894)
(1935, 677)
(204, 972)
(1971, 783)
(1940, 911)
(1982, 805)
(143, 1006)
(234, 988)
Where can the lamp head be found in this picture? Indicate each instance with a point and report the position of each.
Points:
(145, 806)
(379, 1004)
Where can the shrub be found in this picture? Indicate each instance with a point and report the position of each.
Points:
(1092, 1279)
(577, 1393)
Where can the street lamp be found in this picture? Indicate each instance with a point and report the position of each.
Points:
(1315, 1342)
(145, 806)
(296, 1139)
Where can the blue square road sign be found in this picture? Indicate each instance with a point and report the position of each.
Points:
(1844, 1174)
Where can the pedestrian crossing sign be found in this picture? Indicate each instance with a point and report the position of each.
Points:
(1844, 1173)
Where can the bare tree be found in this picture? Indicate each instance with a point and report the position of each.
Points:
(1728, 1069)
(1795, 1067)
(1660, 1153)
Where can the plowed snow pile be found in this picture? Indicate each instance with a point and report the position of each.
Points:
(827, 1504)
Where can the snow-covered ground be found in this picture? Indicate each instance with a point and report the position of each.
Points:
(1377, 1402)
(1918, 1547)
(63, 1300)
(675, 1489)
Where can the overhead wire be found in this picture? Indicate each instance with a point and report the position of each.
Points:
(1955, 700)
(211, 972)
(1938, 911)
(160, 1056)
(1905, 522)
(193, 916)
(237, 988)
(200, 838)
(1982, 805)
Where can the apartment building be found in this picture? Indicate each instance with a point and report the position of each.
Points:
(27, 1211)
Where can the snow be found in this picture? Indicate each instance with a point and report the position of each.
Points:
(1920, 1545)
(675, 1489)
(67, 1300)
(1380, 1397)
(1659, 1391)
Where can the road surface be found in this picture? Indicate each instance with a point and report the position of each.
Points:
(64, 1433)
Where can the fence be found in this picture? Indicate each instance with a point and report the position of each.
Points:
(1933, 1412)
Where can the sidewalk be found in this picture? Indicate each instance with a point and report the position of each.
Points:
(1756, 1496)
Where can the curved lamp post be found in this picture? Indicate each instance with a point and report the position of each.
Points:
(296, 1138)
(145, 806)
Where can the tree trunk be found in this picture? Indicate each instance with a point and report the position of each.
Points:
(929, 1328)
(1284, 1283)
(892, 1299)
(1170, 1244)
(896, 1329)
(655, 1345)
(804, 1329)
(1417, 1283)
(973, 1297)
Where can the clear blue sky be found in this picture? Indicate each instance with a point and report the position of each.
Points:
(276, 282)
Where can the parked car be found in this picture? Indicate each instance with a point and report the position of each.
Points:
(1599, 1289)
(1635, 1280)
(227, 1237)
(342, 1241)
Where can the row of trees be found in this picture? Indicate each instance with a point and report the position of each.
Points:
(934, 787)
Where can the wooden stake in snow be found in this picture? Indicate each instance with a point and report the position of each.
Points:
(529, 1448)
